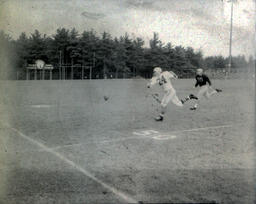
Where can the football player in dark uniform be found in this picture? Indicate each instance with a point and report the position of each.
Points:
(205, 90)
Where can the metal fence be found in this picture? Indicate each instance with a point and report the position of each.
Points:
(70, 73)
(83, 73)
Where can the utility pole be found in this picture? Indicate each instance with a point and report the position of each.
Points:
(60, 66)
(90, 72)
(83, 65)
(35, 72)
(93, 65)
(43, 73)
(104, 68)
(27, 73)
(230, 40)
(72, 68)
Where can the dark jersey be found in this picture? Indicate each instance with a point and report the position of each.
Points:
(201, 80)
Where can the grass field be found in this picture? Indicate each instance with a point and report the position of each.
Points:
(61, 142)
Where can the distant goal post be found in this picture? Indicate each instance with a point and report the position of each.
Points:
(38, 70)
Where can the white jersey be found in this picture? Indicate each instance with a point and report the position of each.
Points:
(164, 79)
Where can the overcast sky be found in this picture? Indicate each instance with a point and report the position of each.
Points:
(201, 24)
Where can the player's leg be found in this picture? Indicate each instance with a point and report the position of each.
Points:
(202, 91)
(169, 96)
(166, 99)
(189, 97)
(176, 100)
(160, 117)
(211, 91)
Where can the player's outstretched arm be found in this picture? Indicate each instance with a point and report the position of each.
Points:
(175, 76)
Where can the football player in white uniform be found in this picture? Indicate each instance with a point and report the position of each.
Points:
(164, 80)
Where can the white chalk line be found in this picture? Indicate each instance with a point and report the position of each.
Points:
(77, 167)
(154, 135)
(41, 106)
(169, 135)
(203, 128)
(164, 137)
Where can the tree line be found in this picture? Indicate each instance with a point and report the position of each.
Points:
(105, 54)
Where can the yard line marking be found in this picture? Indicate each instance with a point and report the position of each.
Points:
(167, 135)
(41, 106)
(203, 128)
(164, 137)
(146, 132)
(77, 167)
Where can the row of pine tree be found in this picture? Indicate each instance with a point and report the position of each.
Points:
(106, 54)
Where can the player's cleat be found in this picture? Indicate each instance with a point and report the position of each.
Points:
(185, 99)
(218, 90)
(159, 118)
(192, 96)
(106, 98)
(193, 108)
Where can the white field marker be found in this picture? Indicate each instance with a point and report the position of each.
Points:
(164, 137)
(156, 135)
(203, 128)
(120, 194)
(41, 106)
(145, 132)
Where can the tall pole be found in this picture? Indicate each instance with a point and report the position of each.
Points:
(60, 66)
(72, 69)
(35, 72)
(93, 65)
(104, 68)
(50, 74)
(26, 73)
(43, 73)
(230, 40)
(90, 72)
(64, 72)
(82, 77)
